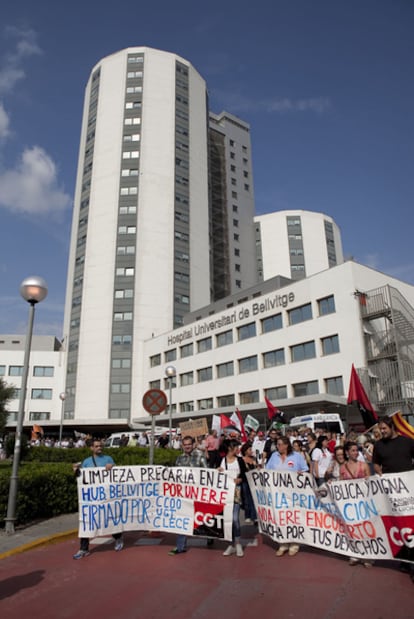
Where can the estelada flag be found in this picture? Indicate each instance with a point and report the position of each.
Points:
(358, 396)
(401, 425)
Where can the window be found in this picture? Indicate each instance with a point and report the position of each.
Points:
(225, 400)
(205, 374)
(15, 370)
(236, 237)
(128, 210)
(120, 316)
(186, 379)
(247, 331)
(125, 250)
(122, 339)
(128, 293)
(205, 403)
(182, 298)
(125, 271)
(129, 191)
(41, 394)
(330, 345)
(130, 154)
(118, 413)
(236, 223)
(38, 416)
(186, 407)
(272, 323)
(2, 370)
(273, 357)
(237, 252)
(170, 355)
(132, 74)
(43, 370)
(154, 384)
(225, 369)
(276, 393)
(129, 172)
(132, 137)
(249, 397)
(186, 350)
(223, 339)
(204, 344)
(326, 305)
(237, 267)
(121, 364)
(300, 314)
(155, 360)
(248, 364)
(334, 385)
(303, 351)
(120, 388)
(309, 388)
(132, 121)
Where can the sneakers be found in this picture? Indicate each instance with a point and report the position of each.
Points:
(175, 551)
(230, 550)
(81, 554)
(248, 521)
(353, 561)
(239, 550)
(281, 550)
(119, 544)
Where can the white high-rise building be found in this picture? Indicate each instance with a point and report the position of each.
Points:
(297, 244)
(147, 231)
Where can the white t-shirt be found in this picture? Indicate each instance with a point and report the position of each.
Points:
(323, 457)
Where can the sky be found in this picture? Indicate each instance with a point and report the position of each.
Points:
(326, 86)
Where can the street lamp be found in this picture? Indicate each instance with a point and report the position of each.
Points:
(62, 397)
(33, 290)
(170, 373)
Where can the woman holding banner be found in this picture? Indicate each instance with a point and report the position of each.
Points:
(353, 468)
(236, 469)
(285, 459)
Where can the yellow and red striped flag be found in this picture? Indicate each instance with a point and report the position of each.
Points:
(401, 425)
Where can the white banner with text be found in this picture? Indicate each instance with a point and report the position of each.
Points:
(188, 501)
(370, 518)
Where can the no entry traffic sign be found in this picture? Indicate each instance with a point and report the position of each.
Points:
(154, 401)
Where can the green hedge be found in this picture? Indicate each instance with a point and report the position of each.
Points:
(47, 486)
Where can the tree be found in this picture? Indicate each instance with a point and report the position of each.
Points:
(6, 394)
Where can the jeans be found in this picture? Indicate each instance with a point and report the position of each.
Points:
(181, 543)
(235, 532)
(249, 507)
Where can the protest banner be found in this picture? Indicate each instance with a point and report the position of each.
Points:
(182, 500)
(370, 518)
(194, 428)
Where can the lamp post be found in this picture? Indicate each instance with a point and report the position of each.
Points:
(62, 397)
(170, 373)
(33, 290)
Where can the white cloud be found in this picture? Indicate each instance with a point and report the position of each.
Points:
(32, 187)
(279, 105)
(12, 64)
(4, 123)
(315, 104)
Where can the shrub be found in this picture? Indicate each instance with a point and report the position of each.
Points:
(47, 486)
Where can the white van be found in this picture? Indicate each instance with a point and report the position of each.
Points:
(115, 438)
(329, 421)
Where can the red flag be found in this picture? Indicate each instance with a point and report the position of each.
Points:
(225, 421)
(358, 396)
(237, 419)
(272, 410)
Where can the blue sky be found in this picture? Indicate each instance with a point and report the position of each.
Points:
(326, 85)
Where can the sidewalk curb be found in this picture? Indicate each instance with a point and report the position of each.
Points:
(42, 541)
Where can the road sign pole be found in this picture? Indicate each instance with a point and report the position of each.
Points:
(152, 442)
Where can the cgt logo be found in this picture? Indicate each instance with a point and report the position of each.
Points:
(400, 532)
(208, 519)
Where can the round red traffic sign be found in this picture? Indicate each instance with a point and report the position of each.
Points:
(154, 401)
